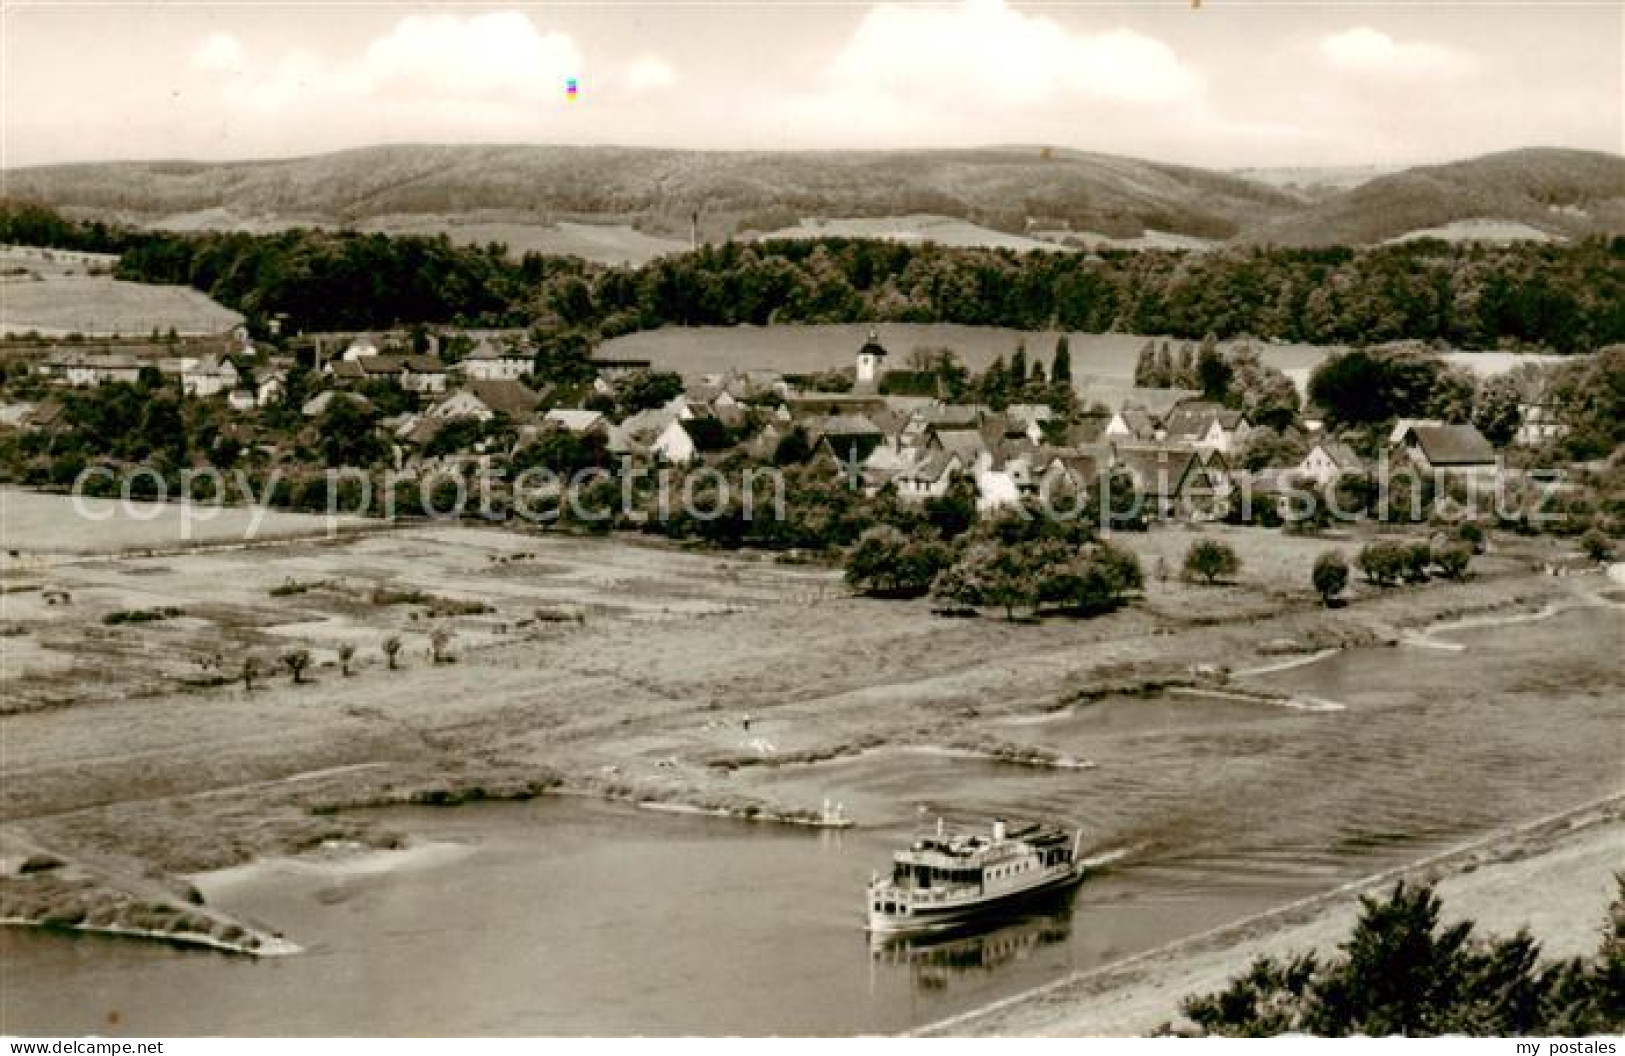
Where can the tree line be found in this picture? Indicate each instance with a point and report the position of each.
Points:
(1568, 297)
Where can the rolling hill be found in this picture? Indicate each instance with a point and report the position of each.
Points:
(641, 201)
(658, 190)
(1564, 193)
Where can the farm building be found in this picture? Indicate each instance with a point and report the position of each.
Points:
(1449, 450)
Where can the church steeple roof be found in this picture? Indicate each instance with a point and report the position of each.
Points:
(872, 347)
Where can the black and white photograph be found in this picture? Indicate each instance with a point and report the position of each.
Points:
(779, 519)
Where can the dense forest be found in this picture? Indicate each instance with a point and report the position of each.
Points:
(1563, 297)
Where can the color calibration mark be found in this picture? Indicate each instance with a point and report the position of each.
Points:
(571, 89)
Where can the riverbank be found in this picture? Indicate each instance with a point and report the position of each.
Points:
(1554, 876)
(694, 680)
(111, 897)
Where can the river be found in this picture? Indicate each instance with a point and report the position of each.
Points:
(574, 916)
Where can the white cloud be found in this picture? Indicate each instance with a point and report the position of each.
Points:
(1365, 50)
(219, 53)
(982, 51)
(648, 74)
(497, 55)
(980, 72)
(478, 64)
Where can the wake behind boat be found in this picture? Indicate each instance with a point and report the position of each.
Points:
(954, 878)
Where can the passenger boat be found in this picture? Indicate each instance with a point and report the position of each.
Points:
(955, 878)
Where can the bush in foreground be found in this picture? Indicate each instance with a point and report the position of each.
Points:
(1402, 972)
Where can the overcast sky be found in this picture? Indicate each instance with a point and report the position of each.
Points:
(1227, 84)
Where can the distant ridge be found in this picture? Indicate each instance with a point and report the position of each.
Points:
(1564, 193)
(1013, 190)
(659, 189)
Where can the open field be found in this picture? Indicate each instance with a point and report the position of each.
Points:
(608, 621)
(35, 525)
(18, 262)
(1105, 358)
(1102, 364)
(602, 243)
(96, 305)
(1151, 239)
(918, 227)
(1480, 231)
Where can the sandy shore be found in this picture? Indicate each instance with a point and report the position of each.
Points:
(1554, 877)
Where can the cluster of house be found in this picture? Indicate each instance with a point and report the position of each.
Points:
(1173, 444)
(202, 366)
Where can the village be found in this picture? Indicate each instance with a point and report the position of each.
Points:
(880, 423)
(261, 589)
(1171, 547)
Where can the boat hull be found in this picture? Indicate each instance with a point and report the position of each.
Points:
(943, 918)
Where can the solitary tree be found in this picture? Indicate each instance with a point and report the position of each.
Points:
(1147, 374)
(1213, 371)
(296, 660)
(1596, 545)
(1060, 368)
(251, 671)
(346, 654)
(438, 642)
(1331, 575)
(392, 648)
(1211, 559)
(1498, 409)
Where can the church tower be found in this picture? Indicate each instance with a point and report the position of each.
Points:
(871, 358)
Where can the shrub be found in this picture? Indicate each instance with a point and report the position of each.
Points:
(1453, 559)
(1596, 545)
(1211, 559)
(1330, 576)
(382, 596)
(1418, 558)
(454, 607)
(296, 660)
(1382, 563)
(39, 863)
(1402, 971)
(884, 561)
(1472, 533)
(113, 619)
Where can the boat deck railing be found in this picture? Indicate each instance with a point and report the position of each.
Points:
(928, 895)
